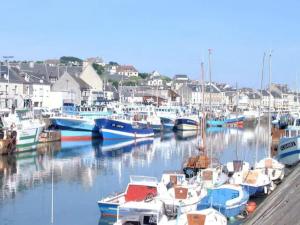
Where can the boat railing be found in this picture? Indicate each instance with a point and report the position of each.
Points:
(143, 179)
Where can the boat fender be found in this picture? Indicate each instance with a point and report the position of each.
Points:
(149, 197)
(13, 125)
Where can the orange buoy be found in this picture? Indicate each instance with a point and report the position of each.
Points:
(251, 206)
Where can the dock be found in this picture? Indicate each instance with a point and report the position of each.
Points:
(282, 206)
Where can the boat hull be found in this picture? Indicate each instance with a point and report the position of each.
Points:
(167, 124)
(114, 129)
(186, 124)
(215, 123)
(28, 138)
(237, 120)
(255, 190)
(108, 209)
(73, 124)
(229, 201)
(289, 151)
(74, 135)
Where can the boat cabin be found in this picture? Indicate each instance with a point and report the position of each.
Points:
(142, 213)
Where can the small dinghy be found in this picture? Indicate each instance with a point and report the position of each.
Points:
(228, 199)
(140, 188)
(273, 168)
(208, 216)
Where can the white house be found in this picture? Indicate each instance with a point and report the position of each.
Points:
(127, 70)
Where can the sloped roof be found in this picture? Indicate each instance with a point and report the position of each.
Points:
(48, 71)
(253, 95)
(126, 68)
(14, 77)
(82, 83)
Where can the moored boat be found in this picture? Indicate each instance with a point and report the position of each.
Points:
(187, 123)
(228, 199)
(167, 123)
(215, 123)
(75, 127)
(27, 128)
(122, 129)
(255, 181)
(289, 147)
(139, 189)
(234, 120)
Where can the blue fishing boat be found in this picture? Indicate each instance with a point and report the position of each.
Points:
(228, 199)
(234, 119)
(75, 128)
(122, 129)
(167, 123)
(187, 123)
(215, 123)
(77, 123)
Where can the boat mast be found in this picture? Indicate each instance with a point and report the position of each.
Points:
(210, 110)
(236, 115)
(52, 188)
(269, 115)
(203, 108)
(209, 67)
(259, 107)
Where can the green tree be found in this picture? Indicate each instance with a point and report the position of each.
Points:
(166, 78)
(69, 59)
(129, 83)
(99, 69)
(114, 83)
(144, 75)
(113, 63)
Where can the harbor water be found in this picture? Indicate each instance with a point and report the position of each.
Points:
(84, 172)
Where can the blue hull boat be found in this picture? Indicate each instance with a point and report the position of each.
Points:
(115, 129)
(228, 199)
(69, 123)
(167, 124)
(254, 190)
(75, 129)
(187, 124)
(108, 209)
(215, 123)
(238, 119)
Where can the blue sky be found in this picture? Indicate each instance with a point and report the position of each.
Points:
(169, 36)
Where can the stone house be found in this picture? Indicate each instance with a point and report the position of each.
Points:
(76, 90)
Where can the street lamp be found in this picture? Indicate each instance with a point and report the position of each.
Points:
(7, 60)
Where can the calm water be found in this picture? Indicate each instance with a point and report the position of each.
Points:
(85, 172)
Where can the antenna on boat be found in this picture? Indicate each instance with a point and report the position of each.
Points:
(269, 115)
(259, 107)
(210, 108)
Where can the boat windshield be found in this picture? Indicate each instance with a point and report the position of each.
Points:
(143, 179)
(144, 213)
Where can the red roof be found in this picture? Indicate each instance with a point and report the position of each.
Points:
(126, 68)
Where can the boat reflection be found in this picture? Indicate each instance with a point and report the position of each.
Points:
(188, 134)
(111, 147)
(86, 163)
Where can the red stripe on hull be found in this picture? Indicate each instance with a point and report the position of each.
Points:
(108, 215)
(76, 138)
